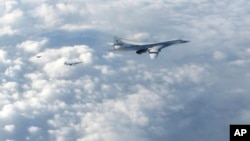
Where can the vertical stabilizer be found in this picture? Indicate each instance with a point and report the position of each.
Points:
(117, 41)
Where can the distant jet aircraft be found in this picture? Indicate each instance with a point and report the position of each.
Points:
(72, 64)
(153, 49)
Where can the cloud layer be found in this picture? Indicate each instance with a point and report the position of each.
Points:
(191, 91)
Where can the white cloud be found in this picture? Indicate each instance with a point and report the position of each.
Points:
(10, 87)
(2, 56)
(33, 129)
(13, 71)
(86, 58)
(192, 72)
(106, 70)
(66, 8)
(111, 55)
(12, 17)
(7, 30)
(32, 46)
(7, 111)
(218, 55)
(9, 128)
(239, 62)
(56, 68)
(10, 5)
(111, 96)
(141, 36)
(74, 27)
(47, 15)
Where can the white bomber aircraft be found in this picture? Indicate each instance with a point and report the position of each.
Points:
(153, 49)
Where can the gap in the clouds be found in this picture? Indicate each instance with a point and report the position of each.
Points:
(8, 42)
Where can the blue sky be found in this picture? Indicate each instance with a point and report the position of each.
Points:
(190, 92)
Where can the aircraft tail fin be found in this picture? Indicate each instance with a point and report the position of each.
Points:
(117, 40)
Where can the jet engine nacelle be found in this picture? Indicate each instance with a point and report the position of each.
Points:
(153, 53)
(141, 51)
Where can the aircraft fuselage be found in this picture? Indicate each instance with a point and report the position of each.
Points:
(153, 49)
